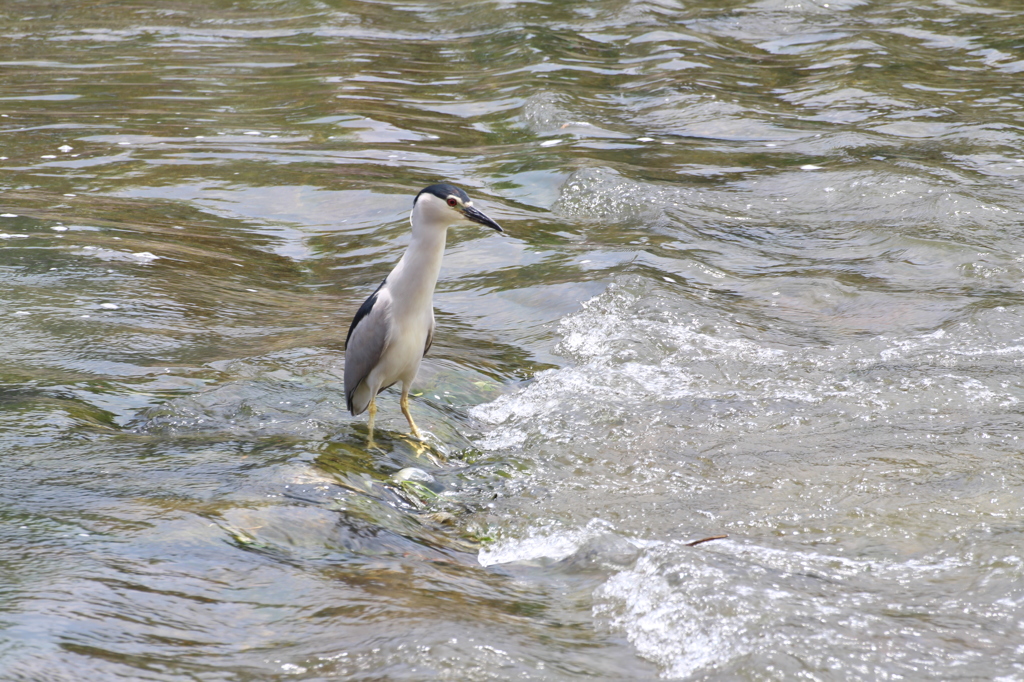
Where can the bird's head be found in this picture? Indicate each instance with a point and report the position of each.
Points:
(443, 205)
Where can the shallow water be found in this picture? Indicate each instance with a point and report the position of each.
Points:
(763, 277)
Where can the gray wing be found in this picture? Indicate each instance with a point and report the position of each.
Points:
(430, 334)
(367, 338)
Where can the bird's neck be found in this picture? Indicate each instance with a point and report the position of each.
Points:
(416, 273)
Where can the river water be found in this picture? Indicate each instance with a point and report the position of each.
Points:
(763, 278)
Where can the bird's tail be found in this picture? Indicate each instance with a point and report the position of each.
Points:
(359, 399)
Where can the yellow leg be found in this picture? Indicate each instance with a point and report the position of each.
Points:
(369, 426)
(408, 415)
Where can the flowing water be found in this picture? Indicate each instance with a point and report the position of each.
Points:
(763, 277)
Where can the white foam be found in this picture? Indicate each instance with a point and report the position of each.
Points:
(693, 610)
(550, 541)
(647, 372)
(667, 626)
(623, 356)
(115, 255)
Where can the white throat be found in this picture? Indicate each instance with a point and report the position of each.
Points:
(414, 278)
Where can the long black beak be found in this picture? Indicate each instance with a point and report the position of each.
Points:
(478, 216)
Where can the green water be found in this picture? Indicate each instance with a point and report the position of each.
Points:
(763, 277)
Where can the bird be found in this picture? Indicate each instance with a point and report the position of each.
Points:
(393, 329)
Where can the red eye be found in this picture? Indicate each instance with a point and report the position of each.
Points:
(453, 202)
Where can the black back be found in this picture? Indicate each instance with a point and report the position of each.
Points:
(363, 311)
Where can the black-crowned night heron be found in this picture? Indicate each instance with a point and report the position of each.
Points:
(392, 330)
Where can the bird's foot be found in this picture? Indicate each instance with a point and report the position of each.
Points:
(423, 449)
